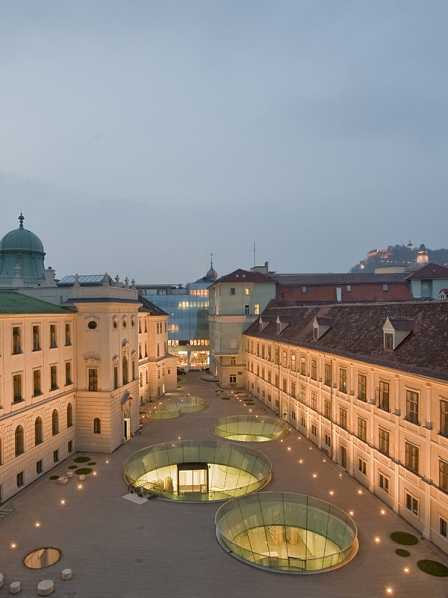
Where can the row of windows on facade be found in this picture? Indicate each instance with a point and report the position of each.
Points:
(188, 304)
(411, 450)
(196, 342)
(382, 392)
(17, 341)
(40, 466)
(382, 402)
(92, 379)
(246, 309)
(232, 290)
(19, 434)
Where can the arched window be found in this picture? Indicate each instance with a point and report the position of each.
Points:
(69, 415)
(20, 441)
(125, 370)
(55, 423)
(38, 435)
(97, 425)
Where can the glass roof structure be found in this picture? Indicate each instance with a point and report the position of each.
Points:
(251, 428)
(286, 532)
(198, 471)
(175, 406)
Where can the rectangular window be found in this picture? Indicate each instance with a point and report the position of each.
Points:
(53, 343)
(327, 440)
(246, 310)
(36, 338)
(276, 381)
(68, 335)
(269, 353)
(53, 377)
(233, 361)
(285, 385)
(303, 366)
(17, 387)
(93, 379)
(411, 503)
(303, 395)
(383, 441)
(56, 456)
(327, 379)
(257, 309)
(39, 466)
(443, 527)
(293, 362)
(362, 387)
(343, 457)
(303, 422)
(115, 377)
(412, 406)
(284, 359)
(16, 348)
(327, 409)
(443, 475)
(70, 446)
(262, 351)
(362, 466)
(269, 377)
(37, 388)
(293, 390)
(314, 430)
(313, 369)
(411, 457)
(343, 418)
(247, 291)
(293, 415)
(444, 418)
(362, 429)
(20, 481)
(383, 399)
(314, 401)
(384, 483)
(68, 373)
(232, 378)
(232, 290)
(343, 380)
(388, 341)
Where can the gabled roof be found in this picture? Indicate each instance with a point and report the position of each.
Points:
(16, 303)
(430, 271)
(150, 308)
(244, 276)
(399, 323)
(357, 333)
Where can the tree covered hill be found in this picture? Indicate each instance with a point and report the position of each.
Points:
(409, 256)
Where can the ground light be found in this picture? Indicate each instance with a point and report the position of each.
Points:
(286, 532)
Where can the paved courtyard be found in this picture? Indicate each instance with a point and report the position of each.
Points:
(119, 549)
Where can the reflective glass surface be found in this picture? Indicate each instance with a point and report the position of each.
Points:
(174, 407)
(286, 532)
(230, 470)
(251, 428)
(42, 557)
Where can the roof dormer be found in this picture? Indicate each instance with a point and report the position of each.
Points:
(262, 324)
(321, 325)
(395, 330)
(280, 326)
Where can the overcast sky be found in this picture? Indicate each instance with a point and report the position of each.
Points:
(140, 136)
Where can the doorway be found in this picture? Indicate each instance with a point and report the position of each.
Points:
(192, 477)
(127, 428)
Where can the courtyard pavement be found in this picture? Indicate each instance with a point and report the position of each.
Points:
(118, 549)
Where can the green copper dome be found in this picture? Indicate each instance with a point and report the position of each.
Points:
(22, 254)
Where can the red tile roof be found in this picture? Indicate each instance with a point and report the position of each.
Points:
(430, 271)
(244, 276)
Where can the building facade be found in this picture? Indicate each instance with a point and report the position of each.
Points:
(368, 384)
(236, 300)
(75, 367)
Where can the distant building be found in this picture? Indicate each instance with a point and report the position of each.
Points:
(429, 281)
(188, 328)
(236, 300)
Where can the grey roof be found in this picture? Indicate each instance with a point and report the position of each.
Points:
(148, 306)
(341, 279)
(84, 280)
